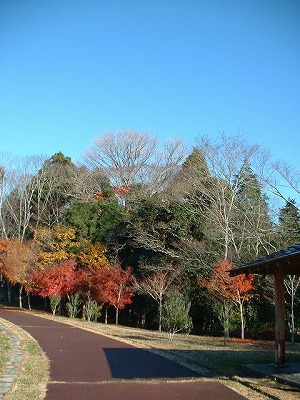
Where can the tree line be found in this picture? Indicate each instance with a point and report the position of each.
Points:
(139, 226)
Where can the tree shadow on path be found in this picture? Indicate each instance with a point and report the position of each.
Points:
(133, 363)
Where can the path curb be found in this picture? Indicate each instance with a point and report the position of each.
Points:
(12, 367)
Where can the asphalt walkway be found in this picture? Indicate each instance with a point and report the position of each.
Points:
(89, 366)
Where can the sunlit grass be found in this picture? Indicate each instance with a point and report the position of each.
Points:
(5, 351)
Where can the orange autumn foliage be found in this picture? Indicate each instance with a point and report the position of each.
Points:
(16, 261)
(222, 286)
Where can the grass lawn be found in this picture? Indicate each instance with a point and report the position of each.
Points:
(5, 351)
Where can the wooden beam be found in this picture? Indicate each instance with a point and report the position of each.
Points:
(279, 316)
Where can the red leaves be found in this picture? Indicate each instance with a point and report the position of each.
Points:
(111, 286)
(117, 290)
(58, 279)
(222, 286)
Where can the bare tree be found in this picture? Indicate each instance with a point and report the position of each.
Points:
(292, 284)
(284, 181)
(17, 190)
(155, 282)
(131, 158)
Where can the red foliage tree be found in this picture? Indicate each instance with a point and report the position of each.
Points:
(89, 282)
(226, 289)
(59, 279)
(117, 287)
(112, 286)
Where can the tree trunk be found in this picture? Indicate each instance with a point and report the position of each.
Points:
(20, 296)
(292, 319)
(1, 288)
(83, 312)
(28, 301)
(226, 321)
(160, 314)
(8, 292)
(105, 317)
(117, 315)
(242, 321)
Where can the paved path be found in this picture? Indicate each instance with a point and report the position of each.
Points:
(85, 365)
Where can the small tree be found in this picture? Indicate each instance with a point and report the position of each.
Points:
(117, 290)
(16, 264)
(224, 290)
(54, 303)
(57, 280)
(175, 314)
(156, 285)
(73, 305)
(92, 309)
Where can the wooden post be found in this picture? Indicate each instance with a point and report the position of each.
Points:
(279, 317)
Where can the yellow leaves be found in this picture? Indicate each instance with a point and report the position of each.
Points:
(56, 244)
(48, 258)
(56, 238)
(94, 254)
(64, 235)
(60, 244)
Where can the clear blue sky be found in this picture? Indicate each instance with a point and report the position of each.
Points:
(73, 69)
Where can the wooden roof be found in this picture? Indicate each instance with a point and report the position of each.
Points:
(288, 258)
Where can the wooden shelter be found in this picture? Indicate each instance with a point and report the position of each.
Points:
(279, 264)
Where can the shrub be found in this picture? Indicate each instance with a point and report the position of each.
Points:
(175, 314)
(54, 303)
(73, 306)
(92, 310)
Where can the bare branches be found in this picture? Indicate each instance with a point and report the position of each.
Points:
(122, 155)
(130, 158)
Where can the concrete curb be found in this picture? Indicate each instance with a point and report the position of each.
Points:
(12, 368)
(288, 374)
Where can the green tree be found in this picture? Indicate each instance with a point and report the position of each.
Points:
(288, 235)
(253, 231)
(55, 186)
(175, 314)
(289, 224)
(94, 219)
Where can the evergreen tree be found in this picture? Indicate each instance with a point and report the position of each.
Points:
(94, 219)
(289, 224)
(288, 235)
(253, 227)
(55, 187)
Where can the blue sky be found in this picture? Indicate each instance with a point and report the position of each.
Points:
(74, 69)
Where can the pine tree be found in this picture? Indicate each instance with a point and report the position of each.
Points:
(289, 224)
(289, 234)
(253, 225)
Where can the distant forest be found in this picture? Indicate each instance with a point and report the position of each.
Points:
(144, 233)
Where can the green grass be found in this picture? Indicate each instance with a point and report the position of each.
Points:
(5, 351)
